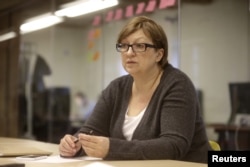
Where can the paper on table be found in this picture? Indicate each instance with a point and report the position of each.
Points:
(99, 164)
(58, 159)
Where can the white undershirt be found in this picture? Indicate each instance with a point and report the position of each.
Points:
(130, 124)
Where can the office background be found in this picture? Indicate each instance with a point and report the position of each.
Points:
(208, 40)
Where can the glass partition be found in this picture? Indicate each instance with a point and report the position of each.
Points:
(208, 40)
(80, 56)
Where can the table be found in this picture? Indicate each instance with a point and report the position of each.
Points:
(90, 163)
(232, 137)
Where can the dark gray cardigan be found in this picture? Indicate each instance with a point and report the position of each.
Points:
(171, 128)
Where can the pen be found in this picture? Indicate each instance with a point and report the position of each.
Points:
(90, 133)
(76, 140)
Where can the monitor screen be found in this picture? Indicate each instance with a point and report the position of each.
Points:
(240, 102)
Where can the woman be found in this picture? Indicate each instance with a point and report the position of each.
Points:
(152, 113)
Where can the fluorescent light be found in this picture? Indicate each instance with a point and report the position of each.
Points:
(7, 36)
(83, 7)
(40, 22)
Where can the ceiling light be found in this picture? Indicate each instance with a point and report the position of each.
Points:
(7, 36)
(83, 7)
(40, 22)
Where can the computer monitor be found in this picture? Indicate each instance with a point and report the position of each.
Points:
(240, 103)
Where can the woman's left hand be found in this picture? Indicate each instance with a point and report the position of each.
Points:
(94, 146)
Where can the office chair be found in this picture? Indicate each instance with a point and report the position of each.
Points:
(214, 145)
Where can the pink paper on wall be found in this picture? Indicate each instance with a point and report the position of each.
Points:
(96, 21)
(140, 8)
(166, 3)
(109, 16)
(129, 11)
(151, 6)
(118, 14)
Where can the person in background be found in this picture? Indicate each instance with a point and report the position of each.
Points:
(151, 113)
(84, 108)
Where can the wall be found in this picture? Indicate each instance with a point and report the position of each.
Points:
(214, 49)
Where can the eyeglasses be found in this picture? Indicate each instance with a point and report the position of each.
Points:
(137, 47)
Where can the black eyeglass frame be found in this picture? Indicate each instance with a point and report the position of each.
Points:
(147, 45)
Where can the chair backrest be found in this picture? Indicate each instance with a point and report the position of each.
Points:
(214, 145)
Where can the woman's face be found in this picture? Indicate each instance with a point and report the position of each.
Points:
(140, 62)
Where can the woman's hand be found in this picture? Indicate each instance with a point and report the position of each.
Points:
(94, 146)
(67, 147)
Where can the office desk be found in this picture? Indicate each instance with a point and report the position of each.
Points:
(90, 163)
(232, 137)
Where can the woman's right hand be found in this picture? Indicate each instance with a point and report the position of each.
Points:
(67, 146)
